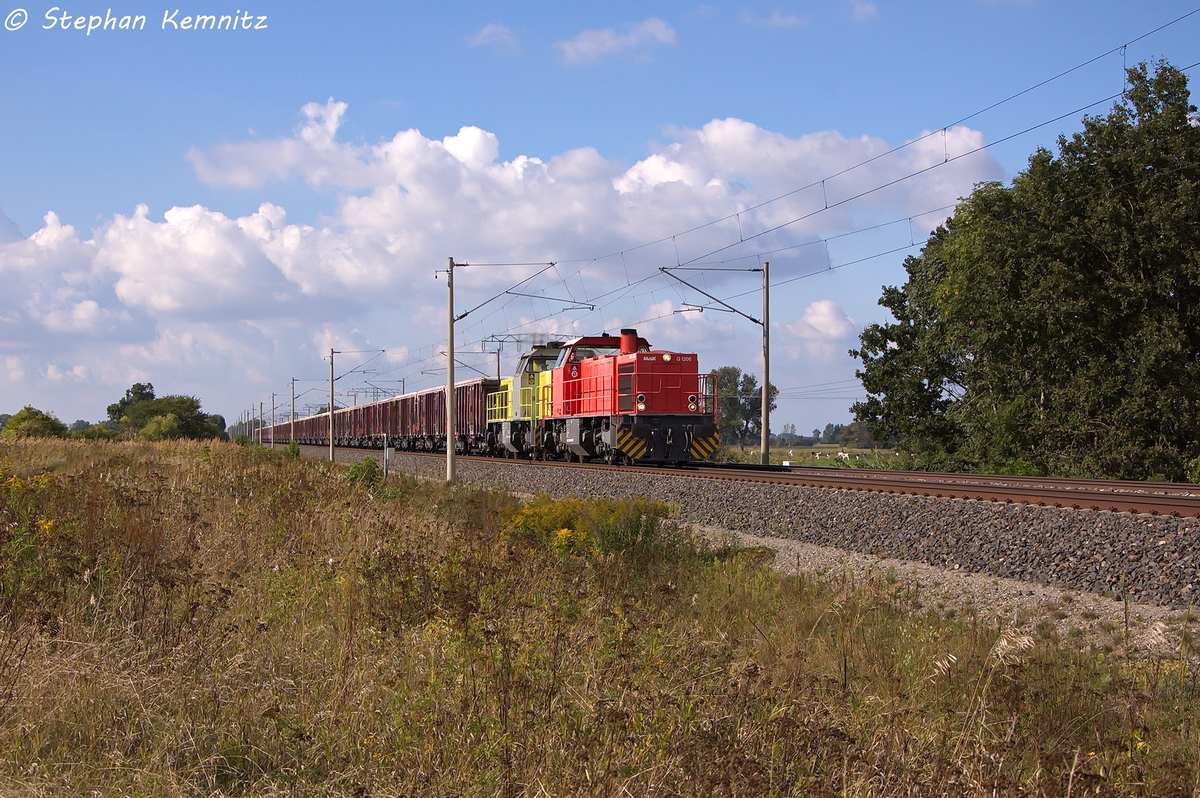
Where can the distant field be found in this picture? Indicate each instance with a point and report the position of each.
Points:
(822, 454)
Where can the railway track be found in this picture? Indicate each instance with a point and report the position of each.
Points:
(1154, 498)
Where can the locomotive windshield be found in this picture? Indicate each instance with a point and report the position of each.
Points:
(538, 360)
(578, 353)
(541, 363)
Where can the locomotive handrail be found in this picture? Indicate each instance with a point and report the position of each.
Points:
(498, 406)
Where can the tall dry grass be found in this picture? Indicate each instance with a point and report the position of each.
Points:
(179, 619)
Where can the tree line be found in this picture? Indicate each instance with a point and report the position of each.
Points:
(139, 414)
(1053, 325)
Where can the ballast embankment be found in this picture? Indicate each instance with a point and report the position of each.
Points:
(1150, 559)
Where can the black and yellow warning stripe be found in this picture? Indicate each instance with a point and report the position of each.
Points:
(629, 444)
(635, 447)
(703, 448)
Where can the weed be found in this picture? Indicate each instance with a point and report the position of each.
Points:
(1045, 630)
(365, 473)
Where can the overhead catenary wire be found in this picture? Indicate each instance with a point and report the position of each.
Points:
(893, 150)
(744, 239)
(844, 201)
(626, 291)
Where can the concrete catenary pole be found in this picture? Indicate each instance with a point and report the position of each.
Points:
(331, 354)
(766, 381)
(450, 370)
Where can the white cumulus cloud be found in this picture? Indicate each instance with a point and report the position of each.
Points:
(496, 34)
(592, 45)
(823, 332)
(9, 231)
(225, 306)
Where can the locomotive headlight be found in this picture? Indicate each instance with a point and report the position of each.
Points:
(641, 398)
(692, 399)
(641, 406)
(692, 407)
(667, 358)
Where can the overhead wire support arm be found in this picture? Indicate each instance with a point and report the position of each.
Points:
(692, 307)
(667, 271)
(766, 350)
(576, 305)
(547, 268)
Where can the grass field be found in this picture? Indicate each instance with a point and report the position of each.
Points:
(822, 454)
(179, 619)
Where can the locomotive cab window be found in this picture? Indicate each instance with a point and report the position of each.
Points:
(577, 354)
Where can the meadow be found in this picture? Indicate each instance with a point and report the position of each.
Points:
(184, 619)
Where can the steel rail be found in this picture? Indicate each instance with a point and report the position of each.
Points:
(1079, 495)
(1058, 483)
(1179, 500)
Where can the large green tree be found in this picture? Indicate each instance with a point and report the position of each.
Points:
(138, 392)
(739, 405)
(1054, 324)
(158, 418)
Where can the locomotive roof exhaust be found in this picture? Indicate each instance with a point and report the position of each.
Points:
(629, 341)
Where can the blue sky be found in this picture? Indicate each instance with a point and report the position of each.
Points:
(227, 204)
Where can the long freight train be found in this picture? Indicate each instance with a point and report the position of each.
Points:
(599, 397)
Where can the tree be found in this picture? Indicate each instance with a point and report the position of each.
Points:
(856, 435)
(4, 417)
(30, 422)
(832, 433)
(739, 405)
(139, 392)
(189, 422)
(1054, 324)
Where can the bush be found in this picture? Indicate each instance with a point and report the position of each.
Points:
(33, 423)
(96, 432)
(608, 526)
(161, 428)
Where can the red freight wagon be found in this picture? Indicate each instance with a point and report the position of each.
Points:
(412, 422)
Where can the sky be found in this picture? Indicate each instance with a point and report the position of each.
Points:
(209, 198)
